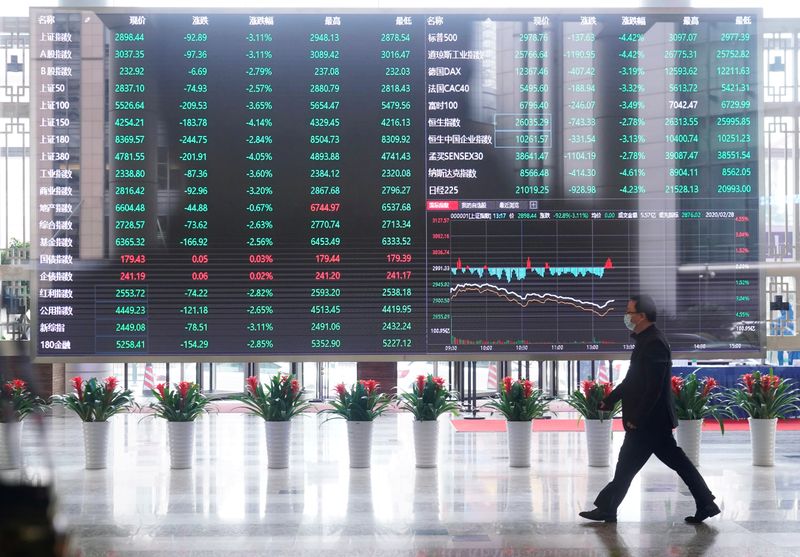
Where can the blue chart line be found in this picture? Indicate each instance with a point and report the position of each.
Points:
(525, 300)
(520, 273)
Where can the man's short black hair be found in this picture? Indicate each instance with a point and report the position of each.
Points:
(645, 304)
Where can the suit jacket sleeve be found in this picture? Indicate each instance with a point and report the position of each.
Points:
(614, 395)
(656, 366)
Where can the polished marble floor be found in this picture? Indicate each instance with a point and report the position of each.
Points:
(473, 504)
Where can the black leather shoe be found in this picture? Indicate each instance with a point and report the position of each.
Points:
(598, 514)
(703, 513)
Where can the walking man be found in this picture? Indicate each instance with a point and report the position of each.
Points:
(648, 416)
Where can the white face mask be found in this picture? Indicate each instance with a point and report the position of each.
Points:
(629, 322)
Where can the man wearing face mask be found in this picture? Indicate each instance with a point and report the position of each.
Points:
(648, 416)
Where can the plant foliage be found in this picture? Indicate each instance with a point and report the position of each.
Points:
(182, 404)
(94, 401)
(17, 401)
(519, 401)
(586, 400)
(764, 396)
(278, 400)
(428, 399)
(361, 402)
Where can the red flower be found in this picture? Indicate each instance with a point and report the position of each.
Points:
(341, 389)
(527, 388)
(370, 385)
(507, 382)
(17, 384)
(709, 384)
(8, 387)
(776, 381)
(284, 378)
(252, 384)
(161, 390)
(607, 388)
(439, 382)
(183, 388)
(111, 383)
(420, 383)
(766, 382)
(77, 382)
(677, 385)
(747, 379)
(295, 386)
(586, 386)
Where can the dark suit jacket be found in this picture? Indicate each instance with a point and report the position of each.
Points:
(646, 392)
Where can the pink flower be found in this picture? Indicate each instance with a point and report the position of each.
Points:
(607, 388)
(747, 379)
(295, 386)
(252, 384)
(284, 378)
(370, 385)
(341, 390)
(507, 383)
(677, 385)
(183, 388)
(420, 383)
(527, 388)
(586, 386)
(709, 384)
(439, 382)
(18, 384)
(77, 382)
(111, 383)
(161, 390)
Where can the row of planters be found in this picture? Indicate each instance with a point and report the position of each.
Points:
(763, 398)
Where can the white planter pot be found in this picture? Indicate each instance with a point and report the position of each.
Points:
(10, 445)
(181, 444)
(762, 441)
(95, 442)
(426, 436)
(688, 437)
(598, 442)
(519, 444)
(359, 443)
(278, 434)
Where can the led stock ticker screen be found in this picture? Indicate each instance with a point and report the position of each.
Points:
(290, 185)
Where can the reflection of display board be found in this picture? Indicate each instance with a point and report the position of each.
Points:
(385, 184)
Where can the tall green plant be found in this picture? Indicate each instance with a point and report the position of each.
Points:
(361, 403)
(586, 400)
(428, 399)
(276, 401)
(764, 396)
(96, 402)
(519, 401)
(182, 404)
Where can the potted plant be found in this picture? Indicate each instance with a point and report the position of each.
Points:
(277, 402)
(16, 402)
(694, 401)
(95, 402)
(586, 401)
(520, 403)
(180, 407)
(359, 405)
(427, 401)
(764, 398)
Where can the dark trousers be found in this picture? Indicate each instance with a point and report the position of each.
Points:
(636, 450)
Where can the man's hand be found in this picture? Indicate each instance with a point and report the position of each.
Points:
(603, 406)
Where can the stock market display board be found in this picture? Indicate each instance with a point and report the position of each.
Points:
(293, 185)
